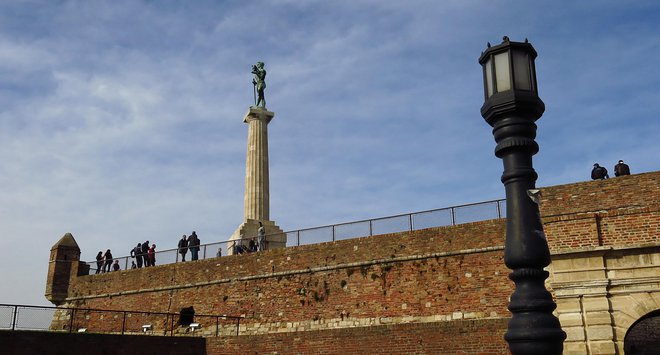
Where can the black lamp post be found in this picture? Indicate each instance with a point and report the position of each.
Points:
(511, 108)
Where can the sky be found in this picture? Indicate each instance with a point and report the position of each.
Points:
(121, 121)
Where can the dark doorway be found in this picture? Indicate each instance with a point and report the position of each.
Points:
(643, 337)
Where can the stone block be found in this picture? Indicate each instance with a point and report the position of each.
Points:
(598, 318)
(574, 333)
(602, 347)
(570, 319)
(600, 332)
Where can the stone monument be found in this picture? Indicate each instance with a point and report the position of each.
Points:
(257, 196)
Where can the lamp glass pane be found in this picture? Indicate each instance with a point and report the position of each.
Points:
(502, 73)
(521, 71)
(489, 77)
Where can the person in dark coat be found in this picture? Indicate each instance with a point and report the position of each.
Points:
(108, 261)
(621, 169)
(599, 173)
(193, 246)
(137, 254)
(183, 247)
(99, 262)
(115, 266)
(145, 254)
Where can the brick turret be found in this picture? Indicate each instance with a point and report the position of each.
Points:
(64, 259)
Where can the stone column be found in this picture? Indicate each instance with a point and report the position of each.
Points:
(257, 201)
(257, 195)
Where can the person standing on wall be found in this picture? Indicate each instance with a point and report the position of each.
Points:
(145, 254)
(261, 237)
(152, 255)
(99, 262)
(108, 261)
(183, 247)
(621, 169)
(137, 254)
(193, 246)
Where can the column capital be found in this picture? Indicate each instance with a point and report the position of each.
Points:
(258, 113)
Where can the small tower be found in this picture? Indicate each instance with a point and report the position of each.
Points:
(64, 259)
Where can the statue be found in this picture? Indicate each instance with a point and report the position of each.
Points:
(259, 83)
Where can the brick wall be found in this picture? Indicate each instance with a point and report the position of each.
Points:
(373, 287)
(618, 212)
(422, 276)
(592, 196)
(482, 337)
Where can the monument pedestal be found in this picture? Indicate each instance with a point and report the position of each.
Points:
(275, 237)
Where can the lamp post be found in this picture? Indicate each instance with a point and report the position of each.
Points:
(511, 107)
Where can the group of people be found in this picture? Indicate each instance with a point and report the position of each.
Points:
(144, 255)
(600, 173)
(253, 245)
(104, 262)
(187, 243)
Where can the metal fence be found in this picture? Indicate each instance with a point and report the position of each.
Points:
(449, 216)
(23, 317)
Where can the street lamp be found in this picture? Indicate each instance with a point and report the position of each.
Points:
(511, 107)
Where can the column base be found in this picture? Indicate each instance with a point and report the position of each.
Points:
(275, 237)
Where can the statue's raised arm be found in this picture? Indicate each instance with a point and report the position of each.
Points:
(259, 82)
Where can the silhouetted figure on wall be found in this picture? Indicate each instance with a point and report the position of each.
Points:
(193, 246)
(621, 169)
(183, 247)
(599, 173)
(108, 261)
(99, 262)
(145, 253)
(137, 254)
(115, 266)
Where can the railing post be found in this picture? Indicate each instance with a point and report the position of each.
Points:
(410, 220)
(204, 253)
(371, 228)
(123, 324)
(298, 236)
(333, 233)
(13, 321)
(499, 211)
(126, 264)
(453, 216)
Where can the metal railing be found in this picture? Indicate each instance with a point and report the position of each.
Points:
(24, 317)
(448, 216)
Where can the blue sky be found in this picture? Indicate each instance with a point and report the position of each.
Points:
(121, 121)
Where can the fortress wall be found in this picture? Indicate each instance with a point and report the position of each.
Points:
(619, 213)
(604, 237)
(454, 337)
(429, 275)
(593, 196)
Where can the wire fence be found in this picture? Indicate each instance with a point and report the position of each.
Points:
(481, 211)
(84, 320)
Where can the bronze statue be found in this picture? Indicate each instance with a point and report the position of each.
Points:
(259, 82)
